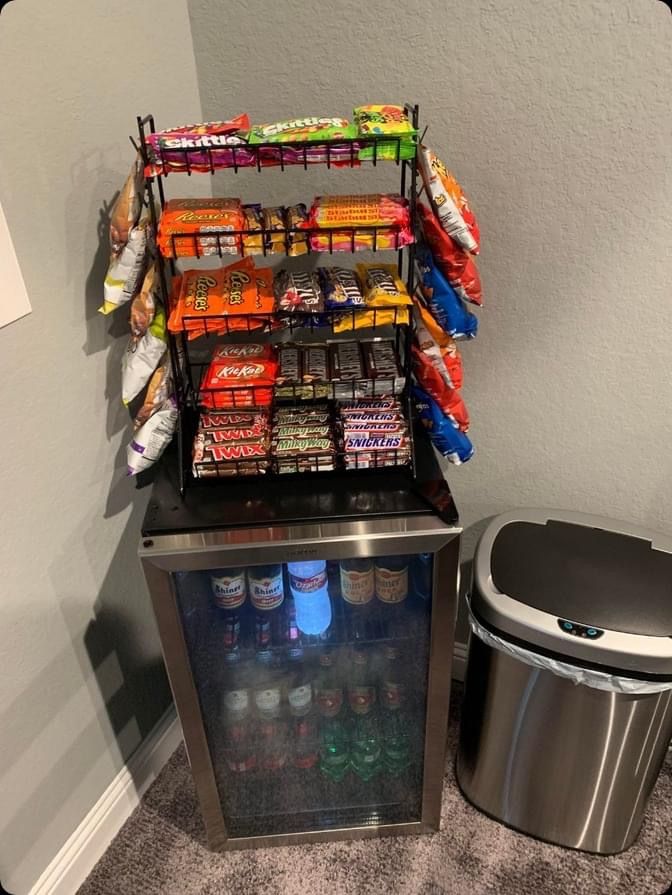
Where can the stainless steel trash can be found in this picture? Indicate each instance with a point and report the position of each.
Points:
(567, 710)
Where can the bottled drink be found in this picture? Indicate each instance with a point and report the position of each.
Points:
(365, 745)
(292, 633)
(229, 592)
(267, 593)
(300, 694)
(306, 743)
(267, 690)
(395, 720)
(328, 687)
(309, 586)
(391, 576)
(273, 745)
(239, 736)
(361, 686)
(357, 590)
(334, 749)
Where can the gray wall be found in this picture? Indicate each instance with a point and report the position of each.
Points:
(81, 677)
(555, 117)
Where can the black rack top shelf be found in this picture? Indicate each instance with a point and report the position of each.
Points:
(236, 503)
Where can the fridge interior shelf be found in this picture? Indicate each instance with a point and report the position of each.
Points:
(223, 242)
(338, 320)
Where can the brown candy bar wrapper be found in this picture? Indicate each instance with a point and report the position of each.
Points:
(301, 419)
(298, 431)
(289, 365)
(233, 418)
(317, 445)
(373, 404)
(306, 464)
(346, 361)
(315, 363)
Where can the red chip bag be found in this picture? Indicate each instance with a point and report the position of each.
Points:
(440, 348)
(457, 266)
(449, 399)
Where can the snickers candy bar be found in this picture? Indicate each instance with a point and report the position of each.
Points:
(391, 428)
(376, 443)
(374, 416)
(371, 404)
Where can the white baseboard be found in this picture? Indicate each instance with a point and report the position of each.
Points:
(459, 661)
(88, 843)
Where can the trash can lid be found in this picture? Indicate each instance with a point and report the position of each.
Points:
(578, 586)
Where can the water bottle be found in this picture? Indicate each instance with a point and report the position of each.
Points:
(309, 587)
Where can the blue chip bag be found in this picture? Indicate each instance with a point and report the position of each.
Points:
(442, 300)
(448, 440)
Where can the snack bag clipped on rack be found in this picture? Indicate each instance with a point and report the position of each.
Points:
(443, 302)
(382, 286)
(126, 210)
(449, 202)
(440, 348)
(143, 306)
(199, 147)
(152, 438)
(142, 357)
(458, 267)
(448, 440)
(126, 271)
(379, 121)
(434, 383)
(159, 389)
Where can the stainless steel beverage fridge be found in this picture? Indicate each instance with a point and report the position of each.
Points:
(307, 629)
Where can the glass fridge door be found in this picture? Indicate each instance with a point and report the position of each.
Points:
(312, 679)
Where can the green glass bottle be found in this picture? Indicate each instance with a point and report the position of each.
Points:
(334, 749)
(395, 722)
(366, 754)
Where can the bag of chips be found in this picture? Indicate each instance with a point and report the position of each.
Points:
(151, 439)
(159, 389)
(443, 302)
(458, 267)
(142, 357)
(438, 346)
(448, 440)
(126, 271)
(382, 286)
(449, 202)
(126, 210)
(143, 306)
(378, 121)
(430, 377)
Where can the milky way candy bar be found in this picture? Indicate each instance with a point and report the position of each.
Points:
(316, 445)
(301, 431)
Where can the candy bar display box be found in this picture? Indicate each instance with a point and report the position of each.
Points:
(300, 545)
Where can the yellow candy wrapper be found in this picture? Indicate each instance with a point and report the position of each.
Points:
(382, 286)
(375, 317)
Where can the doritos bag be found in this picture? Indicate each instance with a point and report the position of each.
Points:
(449, 399)
(450, 442)
(446, 307)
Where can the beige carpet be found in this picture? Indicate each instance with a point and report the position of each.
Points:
(161, 851)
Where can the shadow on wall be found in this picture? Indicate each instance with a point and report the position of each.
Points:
(122, 675)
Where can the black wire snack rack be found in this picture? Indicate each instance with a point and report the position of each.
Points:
(193, 342)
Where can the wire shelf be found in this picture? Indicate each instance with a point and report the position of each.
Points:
(293, 240)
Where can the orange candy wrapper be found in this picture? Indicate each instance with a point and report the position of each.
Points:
(187, 225)
(223, 300)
